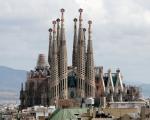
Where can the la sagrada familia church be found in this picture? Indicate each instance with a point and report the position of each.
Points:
(53, 82)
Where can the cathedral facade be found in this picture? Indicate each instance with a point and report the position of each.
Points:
(56, 83)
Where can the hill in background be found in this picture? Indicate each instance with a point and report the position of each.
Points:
(10, 83)
(11, 79)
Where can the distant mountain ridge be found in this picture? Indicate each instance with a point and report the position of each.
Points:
(10, 83)
(11, 79)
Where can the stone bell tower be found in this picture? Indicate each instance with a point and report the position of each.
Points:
(54, 68)
(63, 72)
(90, 75)
(81, 60)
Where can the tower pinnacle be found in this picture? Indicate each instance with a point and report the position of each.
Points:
(54, 67)
(58, 20)
(84, 39)
(75, 44)
(89, 30)
(90, 48)
(58, 32)
(84, 29)
(50, 46)
(54, 26)
(80, 11)
(90, 75)
(22, 86)
(50, 30)
(63, 72)
(80, 60)
(80, 17)
(89, 22)
(54, 37)
(62, 15)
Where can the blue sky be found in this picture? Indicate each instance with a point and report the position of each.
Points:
(120, 35)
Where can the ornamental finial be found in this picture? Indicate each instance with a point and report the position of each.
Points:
(54, 23)
(84, 29)
(75, 19)
(62, 14)
(80, 10)
(50, 30)
(58, 20)
(80, 17)
(89, 22)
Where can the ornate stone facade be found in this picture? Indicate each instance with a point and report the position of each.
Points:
(59, 84)
(36, 90)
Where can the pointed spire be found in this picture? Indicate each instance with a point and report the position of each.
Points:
(54, 28)
(85, 51)
(110, 85)
(58, 32)
(119, 85)
(84, 41)
(80, 60)
(119, 79)
(22, 97)
(21, 86)
(80, 32)
(89, 30)
(62, 32)
(62, 16)
(90, 75)
(84, 30)
(75, 44)
(54, 38)
(90, 48)
(80, 17)
(50, 46)
(63, 72)
(102, 81)
(54, 66)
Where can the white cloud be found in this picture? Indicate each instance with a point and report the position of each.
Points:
(120, 32)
